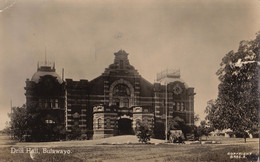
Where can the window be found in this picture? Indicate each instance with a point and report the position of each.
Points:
(116, 102)
(49, 104)
(126, 103)
(121, 94)
(46, 104)
(41, 103)
(121, 90)
(49, 121)
(178, 106)
(174, 106)
(182, 106)
(108, 123)
(56, 103)
(99, 123)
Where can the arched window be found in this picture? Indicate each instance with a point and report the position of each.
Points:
(116, 102)
(121, 90)
(108, 123)
(178, 106)
(99, 125)
(121, 95)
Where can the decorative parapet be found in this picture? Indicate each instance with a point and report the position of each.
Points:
(137, 109)
(99, 108)
(104, 109)
(143, 110)
(125, 117)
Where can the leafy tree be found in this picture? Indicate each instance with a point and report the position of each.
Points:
(206, 128)
(196, 118)
(18, 122)
(213, 116)
(7, 129)
(143, 132)
(238, 97)
(41, 130)
(29, 123)
(203, 129)
(254, 131)
(75, 132)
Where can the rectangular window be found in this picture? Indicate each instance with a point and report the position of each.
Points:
(56, 103)
(174, 106)
(46, 103)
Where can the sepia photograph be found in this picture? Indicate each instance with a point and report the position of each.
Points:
(132, 80)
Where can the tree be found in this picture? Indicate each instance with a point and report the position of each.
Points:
(238, 97)
(75, 132)
(206, 128)
(213, 116)
(18, 122)
(143, 132)
(196, 118)
(41, 130)
(203, 129)
(254, 131)
(44, 123)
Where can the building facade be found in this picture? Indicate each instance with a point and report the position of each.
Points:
(114, 102)
(45, 101)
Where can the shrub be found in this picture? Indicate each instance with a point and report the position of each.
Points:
(143, 132)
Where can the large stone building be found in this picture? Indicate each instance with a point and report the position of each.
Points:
(45, 99)
(112, 103)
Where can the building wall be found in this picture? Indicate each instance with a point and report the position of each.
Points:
(120, 90)
(77, 99)
(178, 103)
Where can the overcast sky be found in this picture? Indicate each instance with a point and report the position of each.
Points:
(82, 37)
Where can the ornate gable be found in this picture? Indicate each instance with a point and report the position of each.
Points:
(121, 65)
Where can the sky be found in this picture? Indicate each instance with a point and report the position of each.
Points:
(82, 36)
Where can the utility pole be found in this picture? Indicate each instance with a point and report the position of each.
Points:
(163, 76)
(166, 77)
(166, 111)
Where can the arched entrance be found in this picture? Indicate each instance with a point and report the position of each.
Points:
(125, 126)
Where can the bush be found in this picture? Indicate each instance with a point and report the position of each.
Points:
(143, 132)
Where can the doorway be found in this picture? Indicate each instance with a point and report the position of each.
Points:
(125, 126)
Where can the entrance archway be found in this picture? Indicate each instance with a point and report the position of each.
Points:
(125, 126)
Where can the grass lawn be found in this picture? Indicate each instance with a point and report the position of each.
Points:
(109, 150)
